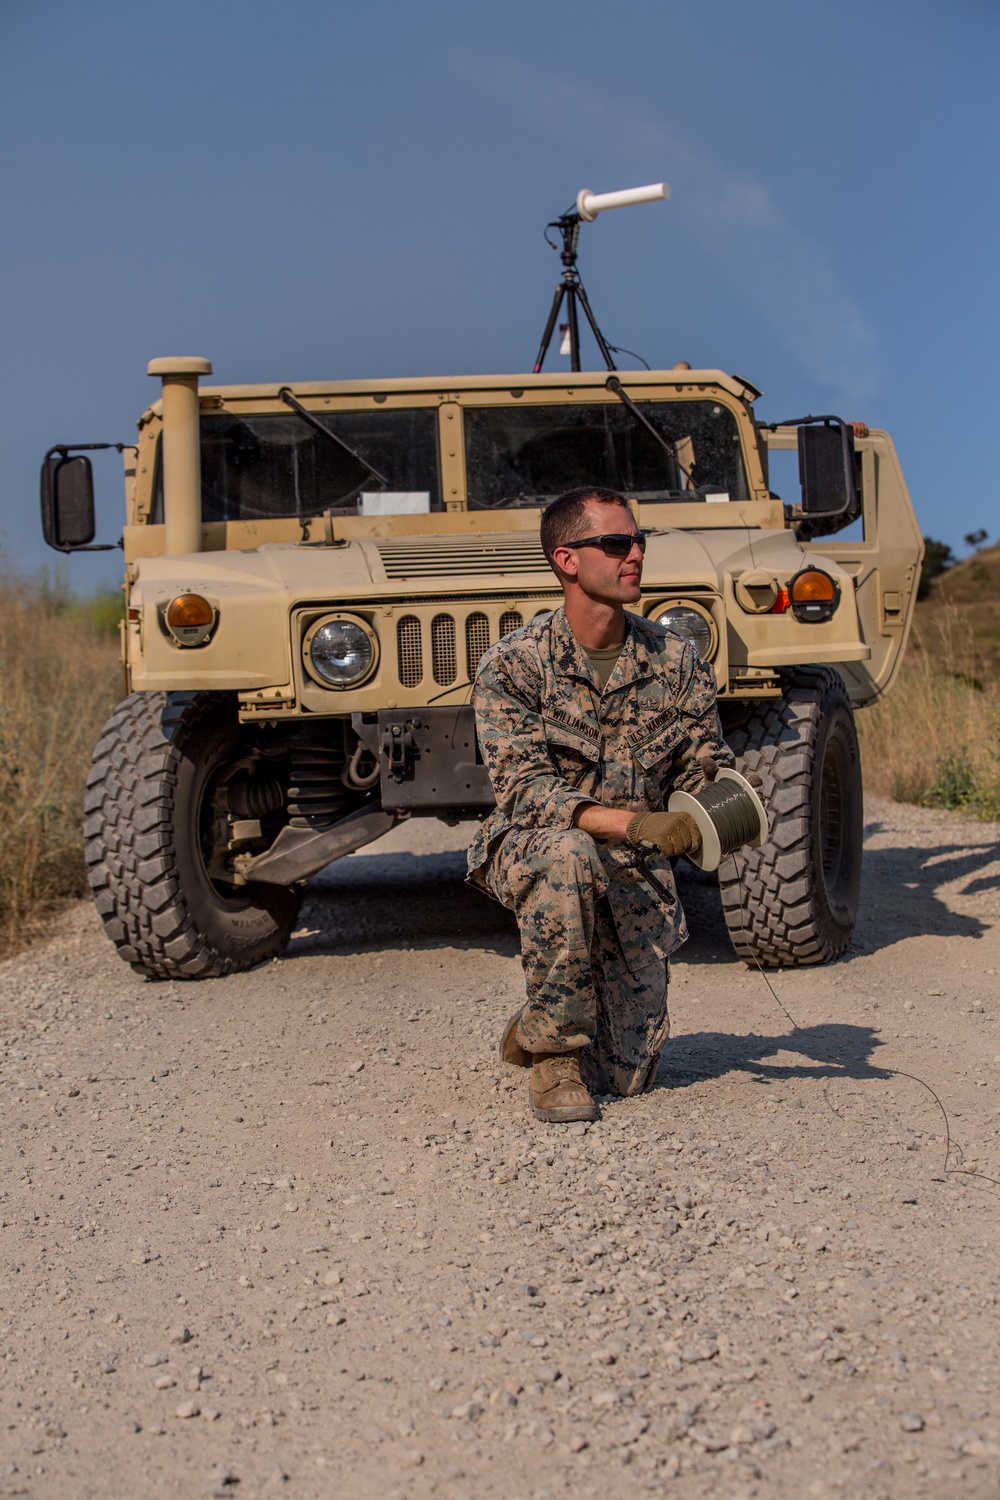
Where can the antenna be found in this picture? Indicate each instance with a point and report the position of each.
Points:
(570, 287)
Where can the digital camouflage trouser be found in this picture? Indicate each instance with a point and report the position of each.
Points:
(581, 991)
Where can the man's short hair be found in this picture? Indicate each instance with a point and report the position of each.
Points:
(563, 520)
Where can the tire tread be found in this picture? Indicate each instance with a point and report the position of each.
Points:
(770, 896)
(130, 849)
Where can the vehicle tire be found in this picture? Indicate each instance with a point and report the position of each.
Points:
(149, 813)
(795, 900)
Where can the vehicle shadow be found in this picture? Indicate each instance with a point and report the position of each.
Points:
(833, 1050)
(900, 890)
(900, 898)
(400, 900)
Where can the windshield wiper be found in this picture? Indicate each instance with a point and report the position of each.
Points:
(614, 385)
(285, 394)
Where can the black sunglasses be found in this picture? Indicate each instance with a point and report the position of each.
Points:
(613, 543)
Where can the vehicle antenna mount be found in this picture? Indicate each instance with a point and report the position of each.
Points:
(570, 287)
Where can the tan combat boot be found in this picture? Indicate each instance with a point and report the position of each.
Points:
(556, 1091)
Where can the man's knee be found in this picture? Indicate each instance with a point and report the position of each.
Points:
(547, 863)
(574, 844)
(570, 857)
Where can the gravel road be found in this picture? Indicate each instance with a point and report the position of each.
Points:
(295, 1232)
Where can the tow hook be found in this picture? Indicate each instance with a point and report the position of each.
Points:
(399, 748)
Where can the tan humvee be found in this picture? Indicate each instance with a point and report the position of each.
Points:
(313, 573)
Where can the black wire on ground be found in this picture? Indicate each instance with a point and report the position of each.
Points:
(949, 1145)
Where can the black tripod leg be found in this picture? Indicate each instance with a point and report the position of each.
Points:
(574, 330)
(549, 327)
(598, 335)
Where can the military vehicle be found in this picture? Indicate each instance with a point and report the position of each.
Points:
(314, 570)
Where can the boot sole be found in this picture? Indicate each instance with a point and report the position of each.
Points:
(565, 1114)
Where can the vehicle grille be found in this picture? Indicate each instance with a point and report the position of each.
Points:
(410, 649)
(441, 557)
(443, 659)
(429, 648)
(477, 640)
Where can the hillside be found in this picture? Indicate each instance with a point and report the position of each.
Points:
(960, 619)
(934, 739)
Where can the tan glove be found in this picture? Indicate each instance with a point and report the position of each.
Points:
(672, 833)
(710, 770)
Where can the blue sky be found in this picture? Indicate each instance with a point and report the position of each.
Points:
(323, 189)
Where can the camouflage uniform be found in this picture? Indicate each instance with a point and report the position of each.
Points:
(596, 933)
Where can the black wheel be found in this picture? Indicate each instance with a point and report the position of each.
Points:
(156, 829)
(795, 900)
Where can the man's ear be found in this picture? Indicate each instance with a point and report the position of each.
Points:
(566, 564)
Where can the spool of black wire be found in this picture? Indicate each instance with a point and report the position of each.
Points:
(729, 814)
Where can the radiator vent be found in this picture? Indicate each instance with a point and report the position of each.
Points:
(454, 557)
(410, 650)
(443, 660)
(477, 639)
(436, 642)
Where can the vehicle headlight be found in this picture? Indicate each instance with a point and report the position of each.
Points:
(690, 623)
(340, 651)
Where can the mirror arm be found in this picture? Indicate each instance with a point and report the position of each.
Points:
(799, 422)
(67, 448)
(95, 547)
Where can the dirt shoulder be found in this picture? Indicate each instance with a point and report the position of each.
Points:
(295, 1232)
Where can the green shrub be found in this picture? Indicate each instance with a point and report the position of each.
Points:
(954, 784)
(102, 612)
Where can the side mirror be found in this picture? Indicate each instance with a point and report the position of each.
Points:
(67, 501)
(826, 469)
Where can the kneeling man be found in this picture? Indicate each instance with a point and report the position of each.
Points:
(588, 718)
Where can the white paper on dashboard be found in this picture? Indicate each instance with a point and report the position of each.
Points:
(716, 499)
(395, 502)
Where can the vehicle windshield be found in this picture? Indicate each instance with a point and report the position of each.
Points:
(260, 467)
(524, 456)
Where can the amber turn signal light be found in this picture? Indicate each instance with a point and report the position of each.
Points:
(189, 609)
(812, 587)
(190, 619)
(814, 595)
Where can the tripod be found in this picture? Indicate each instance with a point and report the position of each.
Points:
(571, 287)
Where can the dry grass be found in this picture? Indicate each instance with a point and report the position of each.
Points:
(935, 740)
(59, 679)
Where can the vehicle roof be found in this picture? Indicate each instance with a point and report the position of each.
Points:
(590, 380)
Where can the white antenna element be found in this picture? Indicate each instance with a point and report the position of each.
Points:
(589, 205)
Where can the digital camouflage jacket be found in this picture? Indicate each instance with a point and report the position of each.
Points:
(551, 740)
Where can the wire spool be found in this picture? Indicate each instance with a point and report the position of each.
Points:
(729, 815)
